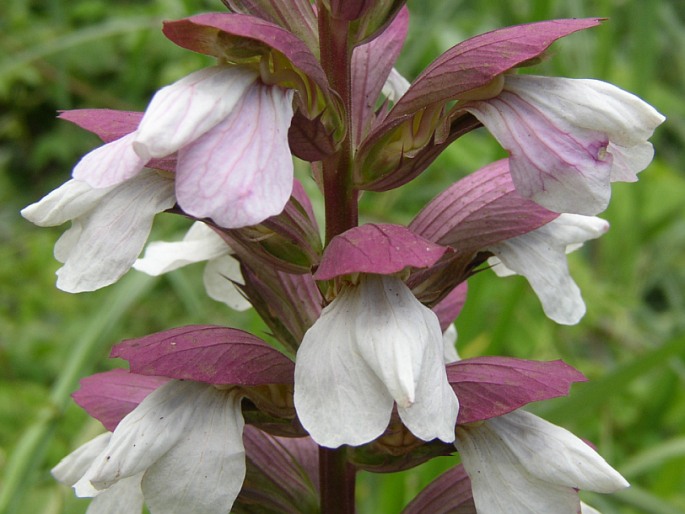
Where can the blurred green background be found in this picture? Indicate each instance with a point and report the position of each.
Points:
(90, 53)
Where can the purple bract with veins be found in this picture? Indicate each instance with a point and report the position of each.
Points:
(480, 210)
(207, 353)
(377, 248)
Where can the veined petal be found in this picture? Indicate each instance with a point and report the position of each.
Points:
(568, 138)
(104, 242)
(199, 244)
(499, 481)
(338, 397)
(590, 104)
(161, 420)
(203, 473)
(221, 273)
(69, 201)
(240, 172)
(540, 256)
(559, 167)
(181, 112)
(124, 497)
(72, 467)
(555, 455)
(110, 164)
(400, 339)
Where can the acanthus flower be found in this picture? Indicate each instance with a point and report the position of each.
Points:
(520, 463)
(184, 433)
(199, 244)
(373, 346)
(230, 131)
(569, 138)
(176, 421)
(540, 256)
(109, 226)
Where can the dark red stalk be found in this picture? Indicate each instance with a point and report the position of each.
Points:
(337, 476)
(340, 196)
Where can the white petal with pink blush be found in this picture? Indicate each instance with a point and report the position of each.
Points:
(180, 113)
(569, 138)
(241, 171)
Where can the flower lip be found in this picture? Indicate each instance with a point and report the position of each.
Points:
(374, 345)
(569, 138)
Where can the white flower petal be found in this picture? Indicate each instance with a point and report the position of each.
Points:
(540, 256)
(72, 467)
(71, 200)
(181, 112)
(374, 343)
(449, 339)
(110, 164)
(395, 86)
(586, 509)
(199, 244)
(240, 172)
(499, 481)
(219, 277)
(561, 133)
(554, 454)
(203, 473)
(124, 497)
(393, 333)
(338, 398)
(591, 104)
(104, 242)
(629, 161)
(434, 411)
(400, 339)
(156, 425)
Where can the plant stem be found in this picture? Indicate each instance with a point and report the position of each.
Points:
(337, 476)
(337, 479)
(340, 195)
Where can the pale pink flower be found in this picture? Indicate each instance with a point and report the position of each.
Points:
(569, 138)
(231, 134)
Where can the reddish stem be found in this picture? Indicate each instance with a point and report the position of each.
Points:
(340, 196)
(337, 476)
